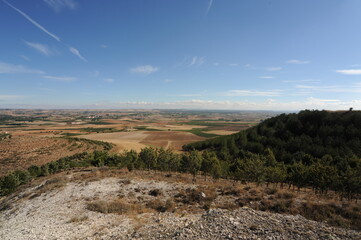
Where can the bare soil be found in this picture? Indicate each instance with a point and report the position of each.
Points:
(20, 152)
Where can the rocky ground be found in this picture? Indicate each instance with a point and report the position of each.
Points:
(58, 207)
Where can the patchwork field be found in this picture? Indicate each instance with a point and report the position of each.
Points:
(139, 139)
(34, 137)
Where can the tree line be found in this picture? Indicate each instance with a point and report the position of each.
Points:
(259, 168)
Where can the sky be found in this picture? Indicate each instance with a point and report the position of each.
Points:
(280, 55)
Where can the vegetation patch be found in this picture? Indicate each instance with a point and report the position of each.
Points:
(115, 206)
(161, 206)
(146, 128)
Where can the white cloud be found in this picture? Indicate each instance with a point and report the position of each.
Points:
(274, 68)
(77, 53)
(269, 104)
(266, 77)
(145, 69)
(186, 95)
(233, 64)
(61, 79)
(295, 61)
(108, 80)
(96, 73)
(350, 71)
(216, 64)
(42, 48)
(9, 97)
(25, 57)
(58, 5)
(354, 88)
(270, 93)
(197, 61)
(67, 3)
(168, 80)
(103, 46)
(300, 81)
(32, 21)
(11, 68)
(209, 6)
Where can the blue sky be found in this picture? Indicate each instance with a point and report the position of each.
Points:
(201, 54)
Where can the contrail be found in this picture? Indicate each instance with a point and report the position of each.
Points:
(77, 53)
(71, 49)
(32, 21)
(209, 6)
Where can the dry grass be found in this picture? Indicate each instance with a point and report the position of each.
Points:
(116, 206)
(196, 195)
(77, 219)
(160, 205)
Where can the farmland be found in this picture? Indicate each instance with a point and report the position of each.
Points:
(35, 137)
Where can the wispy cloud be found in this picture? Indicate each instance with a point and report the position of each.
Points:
(8, 68)
(104, 46)
(71, 49)
(61, 79)
(9, 97)
(96, 73)
(274, 68)
(145, 69)
(186, 95)
(301, 81)
(268, 104)
(25, 57)
(42, 48)
(255, 93)
(234, 64)
(168, 80)
(77, 53)
(58, 5)
(350, 71)
(108, 80)
(209, 6)
(32, 21)
(354, 88)
(266, 77)
(197, 61)
(296, 61)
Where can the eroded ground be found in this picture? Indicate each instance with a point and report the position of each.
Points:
(116, 204)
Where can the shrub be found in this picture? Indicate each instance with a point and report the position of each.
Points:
(270, 191)
(285, 195)
(8, 184)
(192, 195)
(230, 190)
(155, 192)
(23, 176)
(161, 206)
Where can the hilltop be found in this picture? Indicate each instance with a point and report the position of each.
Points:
(116, 204)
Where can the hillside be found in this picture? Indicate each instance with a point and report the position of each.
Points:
(291, 136)
(319, 149)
